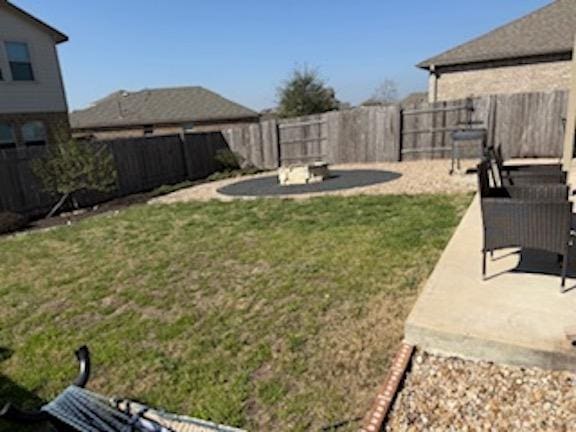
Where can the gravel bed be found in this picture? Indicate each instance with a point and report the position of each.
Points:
(416, 177)
(451, 394)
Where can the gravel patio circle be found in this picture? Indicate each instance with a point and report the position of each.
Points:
(339, 180)
(415, 177)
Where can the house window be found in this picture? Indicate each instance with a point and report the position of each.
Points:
(148, 130)
(19, 60)
(7, 139)
(34, 133)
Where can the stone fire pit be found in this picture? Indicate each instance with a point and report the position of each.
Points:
(303, 174)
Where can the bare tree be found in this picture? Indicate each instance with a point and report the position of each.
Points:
(386, 93)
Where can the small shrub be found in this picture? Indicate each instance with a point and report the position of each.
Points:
(229, 160)
(10, 222)
(71, 167)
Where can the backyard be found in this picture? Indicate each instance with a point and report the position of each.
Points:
(266, 314)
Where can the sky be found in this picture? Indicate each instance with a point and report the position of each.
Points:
(245, 49)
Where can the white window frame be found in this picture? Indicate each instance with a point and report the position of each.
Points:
(9, 67)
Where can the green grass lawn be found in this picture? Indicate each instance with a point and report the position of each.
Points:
(268, 314)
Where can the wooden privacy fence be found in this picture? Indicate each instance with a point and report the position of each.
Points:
(302, 142)
(142, 164)
(526, 125)
(426, 131)
(20, 190)
(365, 134)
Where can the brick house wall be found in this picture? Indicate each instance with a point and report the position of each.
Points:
(525, 78)
(55, 123)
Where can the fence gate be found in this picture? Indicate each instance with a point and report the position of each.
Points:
(426, 132)
(302, 142)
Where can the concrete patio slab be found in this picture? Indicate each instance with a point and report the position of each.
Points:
(512, 317)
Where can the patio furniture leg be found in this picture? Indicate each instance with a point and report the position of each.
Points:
(453, 156)
(459, 167)
(494, 181)
(483, 264)
(564, 266)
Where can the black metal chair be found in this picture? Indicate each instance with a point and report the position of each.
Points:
(525, 216)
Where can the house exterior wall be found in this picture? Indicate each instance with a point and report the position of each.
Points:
(540, 77)
(46, 92)
(56, 124)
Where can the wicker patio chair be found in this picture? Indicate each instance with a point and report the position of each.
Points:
(509, 175)
(530, 217)
(499, 159)
(528, 191)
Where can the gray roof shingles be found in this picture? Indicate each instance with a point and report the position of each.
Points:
(549, 30)
(158, 106)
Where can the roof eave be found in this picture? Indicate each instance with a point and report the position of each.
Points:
(130, 124)
(61, 38)
(427, 64)
(58, 36)
(424, 65)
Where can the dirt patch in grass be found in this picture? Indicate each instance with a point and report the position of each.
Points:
(266, 314)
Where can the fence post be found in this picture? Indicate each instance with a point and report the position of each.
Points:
(278, 146)
(399, 130)
(333, 133)
(184, 154)
(491, 120)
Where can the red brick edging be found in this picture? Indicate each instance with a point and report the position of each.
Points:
(374, 420)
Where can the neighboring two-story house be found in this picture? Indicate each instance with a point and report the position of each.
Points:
(33, 108)
(530, 54)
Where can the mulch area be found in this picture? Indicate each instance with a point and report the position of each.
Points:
(118, 204)
(68, 218)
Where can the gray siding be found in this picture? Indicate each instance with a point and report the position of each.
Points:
(46, 93)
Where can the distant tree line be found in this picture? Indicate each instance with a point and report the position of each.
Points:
(305, 92)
